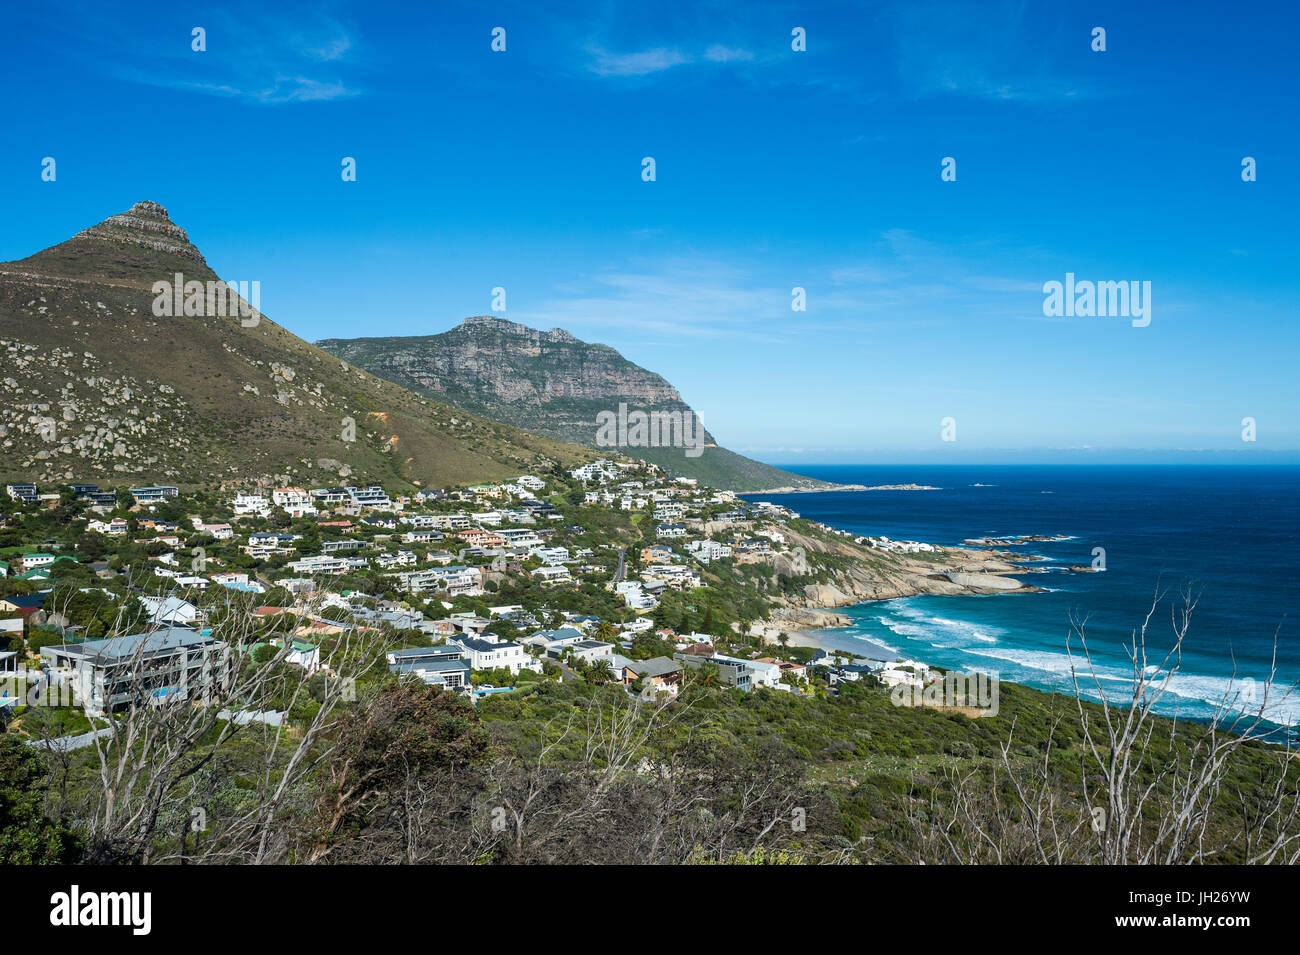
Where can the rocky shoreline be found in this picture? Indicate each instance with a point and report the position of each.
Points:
(872, 575)
(903, 487)
(791, 489)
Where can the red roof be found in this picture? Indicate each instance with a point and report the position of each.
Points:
(702, 649)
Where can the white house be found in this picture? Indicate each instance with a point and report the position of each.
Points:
(707, 551)
(372, 496)
(488, 654)
(552, 556)
(552, 639)
(295, 500)
(319, 564)
(171, 611)
(250, 504)
(303, 654)
(552, 576)
(587, 650)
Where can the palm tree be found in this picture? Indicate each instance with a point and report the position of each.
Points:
(600, 671)
(707, 675)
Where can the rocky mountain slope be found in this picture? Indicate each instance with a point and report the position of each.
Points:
(552, 383)
(96, 386)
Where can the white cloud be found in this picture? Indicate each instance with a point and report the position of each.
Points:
(636, 64)
(281, 59)
(725, 54)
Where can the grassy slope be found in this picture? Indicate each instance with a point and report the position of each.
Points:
(92, 296)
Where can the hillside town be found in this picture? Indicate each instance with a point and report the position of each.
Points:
(613, 573)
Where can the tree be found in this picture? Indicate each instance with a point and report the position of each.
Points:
(1149, 791)
(27, 835)
(708, 674)
(710, 621)
(600, 671)
(91, 545)
(40, 637)
(407, 730)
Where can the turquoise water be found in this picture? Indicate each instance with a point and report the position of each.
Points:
(1229, 534)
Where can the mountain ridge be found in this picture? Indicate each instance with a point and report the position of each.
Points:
(98, 385)
(553, 383)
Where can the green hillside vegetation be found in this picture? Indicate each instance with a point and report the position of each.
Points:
(722, 777)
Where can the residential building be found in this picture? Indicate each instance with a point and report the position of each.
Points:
(588, 651)
(553, 576)
(730, 672)
(22, 492)
(489, 654)
(443, 665)
(372, 496)
(707, 551)
(154, 493)
(296, 501)
(319, 564)
(170, 611)
(658, 675)
(244, 504)
(159, 666)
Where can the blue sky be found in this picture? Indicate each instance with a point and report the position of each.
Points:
(775, 169)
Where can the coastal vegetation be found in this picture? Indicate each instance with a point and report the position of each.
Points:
(371, 768)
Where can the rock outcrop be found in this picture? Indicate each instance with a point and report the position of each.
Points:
(145, 224)
(870, 574)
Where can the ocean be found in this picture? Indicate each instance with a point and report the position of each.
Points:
(1227, 533)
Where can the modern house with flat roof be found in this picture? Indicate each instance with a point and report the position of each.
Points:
(158, 666)
(587, 650)
(730, 672)
(154, 493)
(443, 665)
(372, 496)
(22, 492)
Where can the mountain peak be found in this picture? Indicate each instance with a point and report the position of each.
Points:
(514, 328)
(146, 223)
(141, 244)
(150, 209)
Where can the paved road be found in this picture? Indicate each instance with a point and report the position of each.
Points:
(566, 673)
(622, 565)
